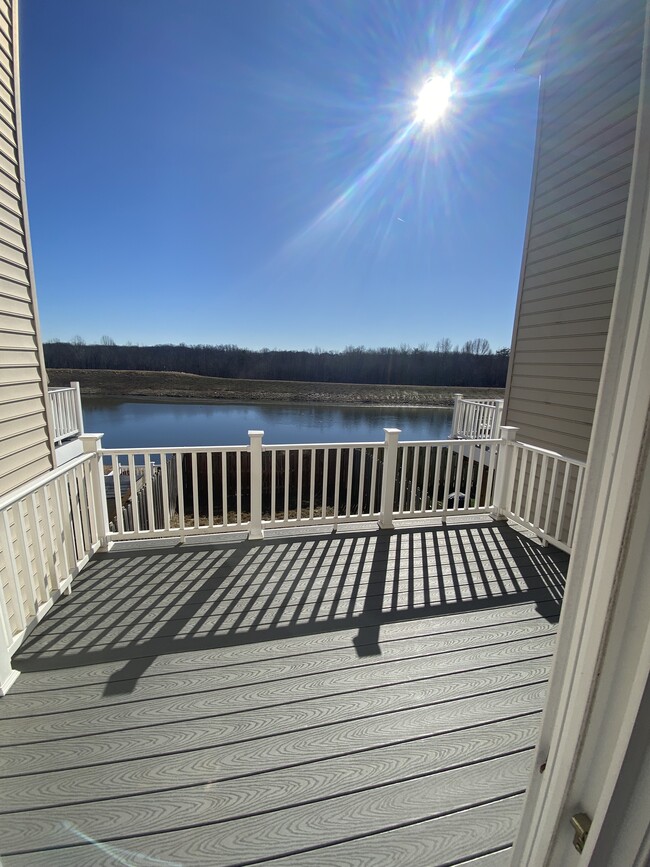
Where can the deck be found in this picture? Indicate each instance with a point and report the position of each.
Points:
(350, 698)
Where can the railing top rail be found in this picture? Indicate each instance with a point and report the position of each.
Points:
(450, 442)
(550, 453)
(58, 389)
(171, 450)
(45, 479)
(483, 401)
(356, 445)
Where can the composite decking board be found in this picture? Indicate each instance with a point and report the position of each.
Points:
(267, 671)
(333, 686)
(108, 589)
(295, 606)
(169, 757)
(279, 651)
(452, 579)
(310, 781)
(386, 727)
(192, 753)
(473, 566)
(311, 825)
(112, 582)
(147, 639)
(454, 839)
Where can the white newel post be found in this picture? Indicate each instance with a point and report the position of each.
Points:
(391, 439)
(454, 418)
(504, 465)
(255, 530)
(498, 414)
(78, 408)
(92, 444)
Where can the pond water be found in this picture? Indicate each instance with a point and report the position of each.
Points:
(148, 424)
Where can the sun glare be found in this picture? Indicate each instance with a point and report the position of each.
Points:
(433, 99)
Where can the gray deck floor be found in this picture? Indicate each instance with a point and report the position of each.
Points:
(357, 698)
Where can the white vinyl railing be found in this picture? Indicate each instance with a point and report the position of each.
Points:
(539, 489)
(444, 478)
(476, 419)
(191, 491)
(48, 532)
(176, 491)
(66, 412)
(49, 529)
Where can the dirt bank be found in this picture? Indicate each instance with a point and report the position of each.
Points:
(153, 385)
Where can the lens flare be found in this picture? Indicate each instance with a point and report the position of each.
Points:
(433, 99)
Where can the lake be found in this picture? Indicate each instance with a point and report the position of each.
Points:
(148, 424)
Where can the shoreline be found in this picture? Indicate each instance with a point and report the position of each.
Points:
(173, 387)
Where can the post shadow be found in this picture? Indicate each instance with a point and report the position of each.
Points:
(123, 681)
(366, 642)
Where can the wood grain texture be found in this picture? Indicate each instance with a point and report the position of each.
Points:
(312, 825)
(160, 715)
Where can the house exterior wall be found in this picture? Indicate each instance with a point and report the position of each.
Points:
(25, 445)
(588, 112)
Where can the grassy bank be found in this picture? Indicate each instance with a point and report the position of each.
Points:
(153, 385)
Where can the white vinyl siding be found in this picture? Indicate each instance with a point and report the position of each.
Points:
(585, 145)
(24, 442)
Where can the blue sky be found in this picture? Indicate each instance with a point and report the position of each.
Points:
(248, 171)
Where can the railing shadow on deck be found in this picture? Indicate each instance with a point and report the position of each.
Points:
(135, 605)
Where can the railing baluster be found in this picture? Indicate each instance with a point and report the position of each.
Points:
(17, 596)
(312, 483)
(299, 453)
(521, 478)
(326, 466)
(64, 524)
(337, 483)
(414, 478)
(165, 492)
(35, 534)
(287, 471)
(46, 511)
(28, 573)
(425, 478)
(560, 515)
(437, 456)
(224, 486)
(208, 476)
(480, 472)
(238, 462)
(89, 504)
(459, 474)
(539, 494)
(180, 494)
(274, 472)
(133, 487)
(362, 478)
(148, 484)
(195, 491)
(117, 491)
(404, 450)
(350, 477)
(373, 480)
(445, 490)
(531, 486)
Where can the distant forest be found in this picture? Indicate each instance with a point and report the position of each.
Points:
(472, 364)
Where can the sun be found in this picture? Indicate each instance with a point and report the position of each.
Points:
(433, 99)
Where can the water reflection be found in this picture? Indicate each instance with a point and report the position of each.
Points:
(142, 424)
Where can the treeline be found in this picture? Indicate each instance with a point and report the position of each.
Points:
(472, 365)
